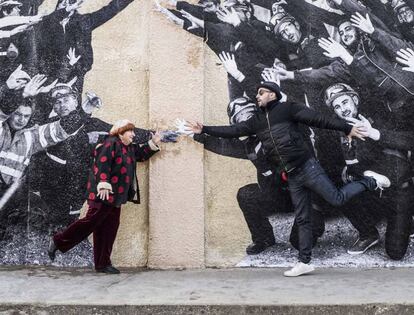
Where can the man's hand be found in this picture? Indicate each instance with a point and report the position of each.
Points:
(17, 79)
(333, 49)
(34, 86)
(356, 132)
(230, 65)
(271, 75)
(196, 127)
(363, 23)
(284, 74)
(228, 16)
(364, 127)
(72, 56)
(48, 88)
(91, 102)
(406, 57)
(103, 194)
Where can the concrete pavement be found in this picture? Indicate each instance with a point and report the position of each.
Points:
(41, 290)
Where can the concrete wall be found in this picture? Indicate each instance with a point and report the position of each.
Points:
(149, 70)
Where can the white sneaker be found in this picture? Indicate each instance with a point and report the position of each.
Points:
(299, 269)
(382, 181)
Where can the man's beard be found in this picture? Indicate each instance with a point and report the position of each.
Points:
(354, 45)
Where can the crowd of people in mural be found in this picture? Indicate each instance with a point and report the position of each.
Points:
(347, 59)
(47, 131)
(320, 97)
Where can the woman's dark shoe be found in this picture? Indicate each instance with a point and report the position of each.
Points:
(109, 270)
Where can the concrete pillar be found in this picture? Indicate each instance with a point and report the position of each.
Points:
(176, 176)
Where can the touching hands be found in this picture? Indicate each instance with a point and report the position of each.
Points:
(181, 128)
(364, 127)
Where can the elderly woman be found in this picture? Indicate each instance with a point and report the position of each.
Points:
(112, 182)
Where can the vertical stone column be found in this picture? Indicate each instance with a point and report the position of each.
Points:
(176, 176)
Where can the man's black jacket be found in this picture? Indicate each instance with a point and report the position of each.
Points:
(278, 128)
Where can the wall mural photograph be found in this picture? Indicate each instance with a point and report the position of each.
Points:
(350, 60)
(343, 58)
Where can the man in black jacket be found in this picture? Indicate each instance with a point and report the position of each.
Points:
(277, 127)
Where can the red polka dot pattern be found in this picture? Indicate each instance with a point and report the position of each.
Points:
(104, 159)
(123, 170)
(91, 195)
(103, 176)
(118, 160)
(121, 189)
(114, 179)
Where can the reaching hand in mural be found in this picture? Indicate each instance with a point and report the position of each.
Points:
(230, 65)
(170, 16)
(73, 59)
(69, 5)
(228, 16)
(181, 126)
(284, 74)
(48, 88)
(333, 49)
(195, 22)
(363, 23)
(14, 31)
(406, 57)
(91, 102)
(93, 136)
(18, 79)
(34, 86)
(271, 75)
(364, 127)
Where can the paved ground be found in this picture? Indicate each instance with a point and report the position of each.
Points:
(217, 291)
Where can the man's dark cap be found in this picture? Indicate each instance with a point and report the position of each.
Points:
(272, 86)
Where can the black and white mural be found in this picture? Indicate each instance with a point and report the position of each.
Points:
(348, 58)
(48, 129)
